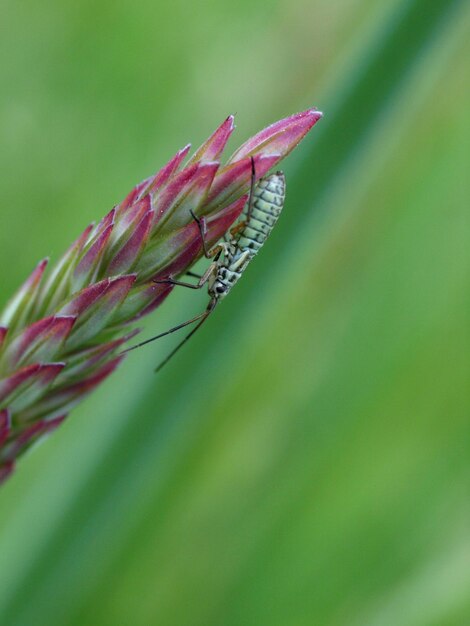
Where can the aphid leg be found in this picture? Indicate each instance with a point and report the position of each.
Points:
(252, 189)
(238, 228)
(179, 283)
(193, 274)
(202, 225)
(209, 254)
(201, 282)
(202, 317)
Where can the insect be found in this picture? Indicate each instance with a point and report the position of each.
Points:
(231, 257)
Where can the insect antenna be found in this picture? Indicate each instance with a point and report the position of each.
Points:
(202, 318)
(172, 330)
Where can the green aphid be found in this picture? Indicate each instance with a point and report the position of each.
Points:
(231, 257)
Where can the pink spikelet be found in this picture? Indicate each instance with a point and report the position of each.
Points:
(62, 333)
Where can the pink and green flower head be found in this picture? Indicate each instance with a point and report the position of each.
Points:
(64, 330)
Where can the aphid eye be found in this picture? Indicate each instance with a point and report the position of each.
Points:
(220, 289)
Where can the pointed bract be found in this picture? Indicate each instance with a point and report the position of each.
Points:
(17, 382)
(280, 137)
(102, 309)
(185, 192)
(84, 299)
(3, 334)
(59, 282)
(132, 197)
(42, 380)
(20, 307)
(137, 303)
(40, 341)
(164, 175)
(35, 376)
(152, 184)
(86, 361)
(88, 265)
(125, 258)
(215, 145)
(5, 425)
(28, 435)
(125, 223)
(235, 179)
(65, 398)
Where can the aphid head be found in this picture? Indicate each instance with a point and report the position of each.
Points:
(219, 290)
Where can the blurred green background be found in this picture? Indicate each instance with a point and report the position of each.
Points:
(304, 461)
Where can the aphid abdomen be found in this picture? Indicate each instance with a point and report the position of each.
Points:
(231, 257)
(268, 200)
(230, 272)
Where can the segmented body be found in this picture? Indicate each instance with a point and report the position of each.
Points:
(263, 211)
(233, 255)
